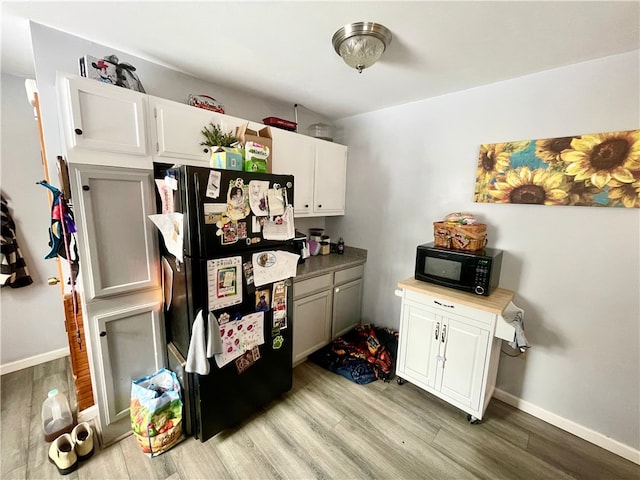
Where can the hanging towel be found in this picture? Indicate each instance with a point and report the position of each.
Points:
(203, 344)
(197, 356)
(514, 315)
(214, 341)
(14, 268)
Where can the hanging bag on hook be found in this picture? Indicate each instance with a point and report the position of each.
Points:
(62, 230)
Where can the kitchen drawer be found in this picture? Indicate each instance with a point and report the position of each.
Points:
(315, 284)
(348, 274)
(445, 306)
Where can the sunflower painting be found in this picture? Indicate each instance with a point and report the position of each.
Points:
(596, 170)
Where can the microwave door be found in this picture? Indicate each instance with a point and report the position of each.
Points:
(449, 273)
(441, 268)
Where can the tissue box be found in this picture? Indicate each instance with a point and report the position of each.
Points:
(258, 148)
(226, 158)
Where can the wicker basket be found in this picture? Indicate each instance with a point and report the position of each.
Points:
(459, 237)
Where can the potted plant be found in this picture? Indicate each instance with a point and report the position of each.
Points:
(215, 137)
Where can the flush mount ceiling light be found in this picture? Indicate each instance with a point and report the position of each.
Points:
(361, 44)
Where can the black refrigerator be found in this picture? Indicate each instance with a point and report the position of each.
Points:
(230, 221)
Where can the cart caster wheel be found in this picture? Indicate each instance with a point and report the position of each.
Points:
(401, 381)
(473, 420)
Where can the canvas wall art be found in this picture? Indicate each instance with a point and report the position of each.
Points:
(594, 170)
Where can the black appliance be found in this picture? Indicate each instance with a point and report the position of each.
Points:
(300, 246)
(475, 272)
(228, 394)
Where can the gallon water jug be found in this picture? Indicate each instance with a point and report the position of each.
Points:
(56, 416)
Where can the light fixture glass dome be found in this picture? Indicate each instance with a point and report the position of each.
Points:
(361, 44)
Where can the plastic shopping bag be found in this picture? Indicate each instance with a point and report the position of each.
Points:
(156, 412)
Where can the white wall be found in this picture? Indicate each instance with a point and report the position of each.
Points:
(575, 270)
(32, 319)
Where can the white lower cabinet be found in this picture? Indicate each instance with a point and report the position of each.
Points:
(311, 315)
(446, 353)
(449, 348)
(127, 343)
(347, 300)
(325, 307)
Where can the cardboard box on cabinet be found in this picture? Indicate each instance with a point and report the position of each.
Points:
(258, 148)
(227, 158)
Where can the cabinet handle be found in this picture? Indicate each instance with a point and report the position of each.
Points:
(437, 330)
(306, 205)
(444, 333)
(443, 304)
(103, 334)
(78, 131)
(337, 290)
(319, 206)
(206, 150)
(86, 188)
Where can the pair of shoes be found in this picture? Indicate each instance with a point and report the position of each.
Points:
(66, 450)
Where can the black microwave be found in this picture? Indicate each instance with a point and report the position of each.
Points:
(474, 272)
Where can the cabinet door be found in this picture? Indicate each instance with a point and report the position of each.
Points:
(418, 346)
(465, 351)
(347, 307)
(178, 130)
(118, 243)
(130, 345)
(294, 154)
(105, 118)
(311, 324)
(330, 178)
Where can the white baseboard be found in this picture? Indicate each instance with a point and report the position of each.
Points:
(585, 433)
(32, 361)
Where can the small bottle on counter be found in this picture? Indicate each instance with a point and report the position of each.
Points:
(340, 246)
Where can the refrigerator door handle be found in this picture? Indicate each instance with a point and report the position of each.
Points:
(196, 182)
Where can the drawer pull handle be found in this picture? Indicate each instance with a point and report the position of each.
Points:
(437, 330)
(78, 131)
(444, 333)
(443, 304)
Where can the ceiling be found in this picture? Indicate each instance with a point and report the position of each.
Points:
(283, 49)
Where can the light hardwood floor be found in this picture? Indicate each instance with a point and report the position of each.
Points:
(326, 427)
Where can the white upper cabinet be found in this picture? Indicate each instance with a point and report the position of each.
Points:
(320, 170)
(177, 130)
(99, 119)
(330, 178)
(293, 154)
(118, 243)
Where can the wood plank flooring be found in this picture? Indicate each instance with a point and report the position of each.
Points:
(326, 427)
